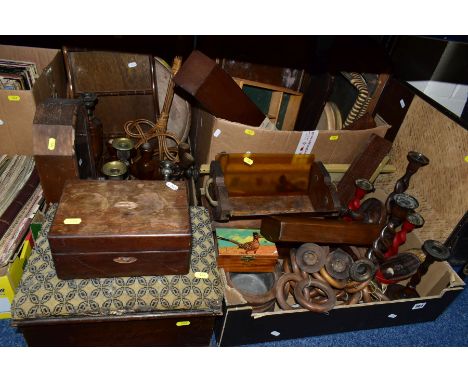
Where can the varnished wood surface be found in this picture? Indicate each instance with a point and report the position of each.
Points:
(53, 172)
(93, 71)
(143, 220)
(122, 208)
(363, 166)
(122, 331)
(98, 265)
(216, 90)
(299, 229)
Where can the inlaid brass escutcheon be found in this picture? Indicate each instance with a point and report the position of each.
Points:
(124, 260)
(247, 258)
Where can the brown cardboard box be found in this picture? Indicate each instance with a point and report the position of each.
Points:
(17, 107)
(210, 135)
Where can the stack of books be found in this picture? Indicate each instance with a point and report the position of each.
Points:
(17, 75)
(20, 198)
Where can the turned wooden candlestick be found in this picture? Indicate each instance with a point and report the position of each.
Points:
(401, 206)
(94, 125)
(415, 162)
(413, 221)
(363, 187)
(434, 251)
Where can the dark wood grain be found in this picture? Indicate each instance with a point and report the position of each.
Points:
(363, 166)
(393, 105)
(313, 230)
(216, 90)
(103, 264)
(143, 330)
(63, 120)
(141, 219)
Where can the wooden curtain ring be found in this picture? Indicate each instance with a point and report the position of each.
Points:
(310, 257)
(362, 270)
(294, 265)
(280, 295)
(355, 298)
(341, 284)
(340, 293)
(314, 307)
(366, 296)
(358, 287)
(337, 264)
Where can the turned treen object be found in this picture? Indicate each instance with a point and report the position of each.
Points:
(398, 268)
(434, 251)
(415, 162)
(400, 206)
(363, 187)
(95, 129)
(413, 221)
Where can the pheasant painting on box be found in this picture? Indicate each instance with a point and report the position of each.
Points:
(245, 250)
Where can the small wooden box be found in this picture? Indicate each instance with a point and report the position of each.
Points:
(121, 228)
(244, 250)
(60, 145)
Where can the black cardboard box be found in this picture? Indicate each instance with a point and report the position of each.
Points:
(239, 326)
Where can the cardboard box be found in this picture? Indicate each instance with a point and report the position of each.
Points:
(239, 325)
(10, 276)
(210, 135)
(17, 107)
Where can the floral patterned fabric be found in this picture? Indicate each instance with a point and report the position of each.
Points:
(42, 294)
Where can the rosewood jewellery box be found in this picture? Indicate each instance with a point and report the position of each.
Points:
(111, 229)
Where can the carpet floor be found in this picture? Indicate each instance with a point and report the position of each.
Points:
(449, 329)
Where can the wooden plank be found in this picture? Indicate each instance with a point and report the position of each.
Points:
(393, 104)
(313, 230)
(275, 105)
(292, 111)
(242, 81)
(382, 82)
(363, 166)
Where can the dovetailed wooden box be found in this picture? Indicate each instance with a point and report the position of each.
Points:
(121, 228)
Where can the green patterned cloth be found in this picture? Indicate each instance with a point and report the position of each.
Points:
(42, 294)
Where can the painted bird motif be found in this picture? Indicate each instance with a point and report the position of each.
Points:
(250, 246)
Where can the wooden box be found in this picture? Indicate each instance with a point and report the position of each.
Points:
(121, 228)
(61, 145)
(245, 250)
(171, 310)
